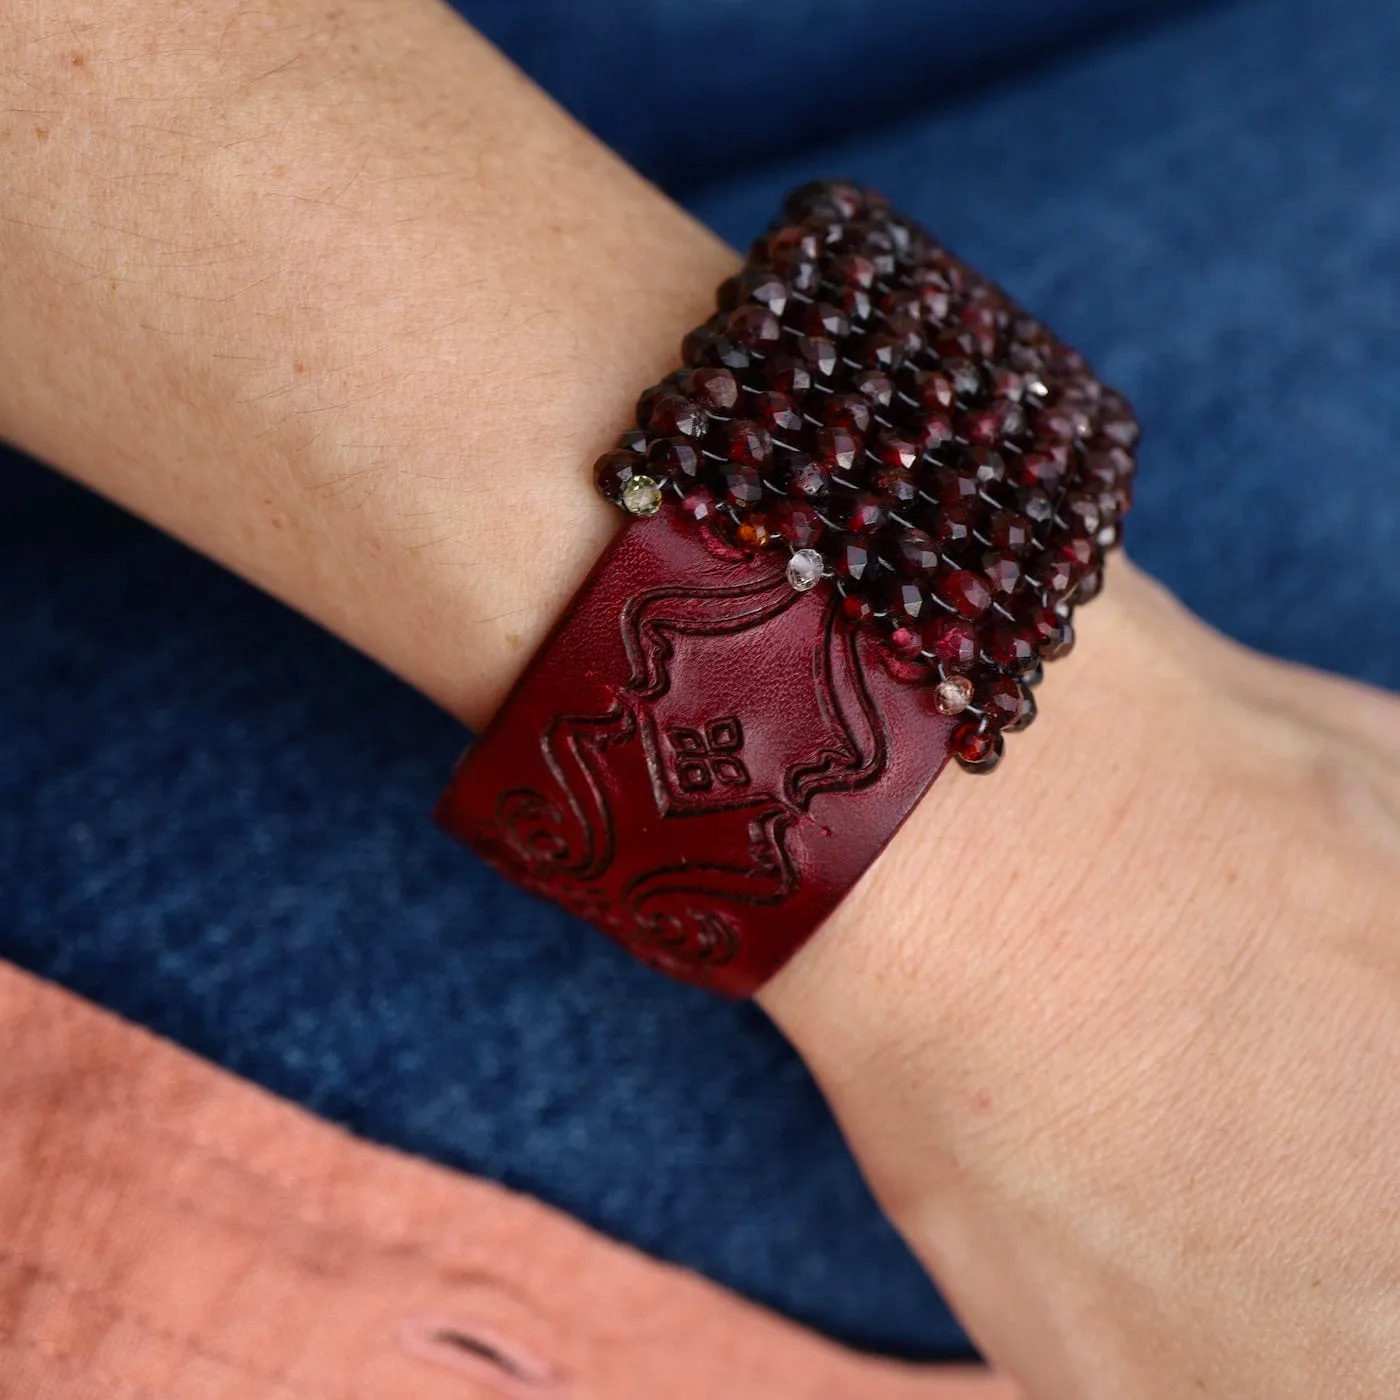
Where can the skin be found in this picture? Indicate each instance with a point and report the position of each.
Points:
(330, 292)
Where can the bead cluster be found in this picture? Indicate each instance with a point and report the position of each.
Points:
(865, 401)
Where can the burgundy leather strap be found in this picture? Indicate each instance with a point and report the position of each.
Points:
(700, 760)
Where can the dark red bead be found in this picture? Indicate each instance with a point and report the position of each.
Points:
(731, 353)
(717, 389)
(856, 607)
(1039, 468)
(740, 484)
(967, 381)
(1003, 573)
(896, 487)
(981, 425)
(753, 326)
(1014, 648)
(853, 559)
(935, 431)
(1010, 531)
(699, 503)
(1079, 554)
(748, 443)
(950, 527)
(850, 412)
(854, 270)
(1107, 466)
(670, 414)
(761, 286)
(1118, 424)
(968, 594)
(1054, 635)
(907, 601)
(823, 319)
(1051, 573)
(934, 391)
(678, 458)
(789, 376)
(953, 643)
(884, 350)
(803, 476)
(864, 513)
(634, 439)
(697, 345)
(1001, 700)
(613, 470)
(1028, 711)
(820, 355)
(1081, 512)
(915, 552)
(979, 750)
(1089, 587)
(798, 524)
(986, 464)
(837, 451)
(777, 412)
(906, 643)
(792, 244)
(951, 486)
(1035, 505)
(894, 450)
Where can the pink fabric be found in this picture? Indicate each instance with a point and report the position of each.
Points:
(170, 1233)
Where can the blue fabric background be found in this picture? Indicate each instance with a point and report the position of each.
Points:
(212, 817)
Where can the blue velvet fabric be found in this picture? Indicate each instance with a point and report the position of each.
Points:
(212, 817)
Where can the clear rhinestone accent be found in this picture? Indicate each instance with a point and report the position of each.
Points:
(805, 569)
(642, 496)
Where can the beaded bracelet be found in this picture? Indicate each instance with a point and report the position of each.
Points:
(861, 516)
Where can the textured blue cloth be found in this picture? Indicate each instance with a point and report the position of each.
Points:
(212, 817)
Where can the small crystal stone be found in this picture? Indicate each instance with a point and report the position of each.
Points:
(805, 569)
(952, 696)
(642, 496)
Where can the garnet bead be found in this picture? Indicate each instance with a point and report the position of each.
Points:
(964, 592)
(677, 458)
(907, 601)
(952, 642)
(804, 477)
(798, 524)
(850, 412)
(1010, 531)
(864, 514)
(979, 750)
(778, 414)
(613, 470)
(853, 559)
(915, 552)
(740, 484)
(1002, 700)
(670, 414)
(717, 389)
(748, 443)
(1014, 648)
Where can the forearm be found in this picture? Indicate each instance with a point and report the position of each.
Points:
(339, 299)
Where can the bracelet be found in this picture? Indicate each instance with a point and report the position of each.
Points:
(859, 520)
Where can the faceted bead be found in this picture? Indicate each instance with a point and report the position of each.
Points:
(803, 476)
(907, 601)
(953, 643)
(761, 286)
(950, 527)
(1079, 554)
(753, 532)
(1035, 505)
(634, 440)
(875, 385)
(789, 376)
(1118, 424)
(885, 350)
(968, 594)
(697, 345)
(1039, 468)
(1051, 573)
(978, 750)
(699, 503)
(1028, 713)
(825, 199)
(934, 391)
(642, 496)
(776, 412)
(677, 458)
(798, 524)
(717, 389)
(823, 319)
(952, 695)
(1014, 648)
(896, 487)
(748, 443)
(1002, 700)
(740, 484)
(805, 570)
(952, 487)
(967, 381)
(1090, 586)
(1107, 466)
(1010, 531)
(894, 450)
(820, 354)
(857, 608)
(731, 353)
(854, 270)
(670, 414)
(853, 559)
(1003, 572)
(934, 432)
(753, 326)
(1062, 645)
(854, 303)
(986, 464)
(837, 450)
(1054, 635)
(792, 244)
(613, 470)
(981, 425)
(850, 412)
(1082, 513)
(864, 514)
(1006, 385)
